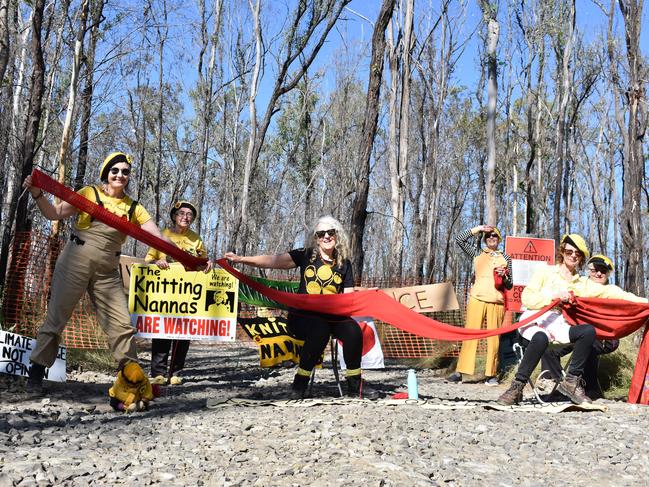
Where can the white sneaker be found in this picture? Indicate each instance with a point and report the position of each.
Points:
(159, 380)
(491, 382)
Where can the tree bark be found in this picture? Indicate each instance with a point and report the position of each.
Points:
(19, 208)
(4, 37)
(489, 13)
(370, 122)
(72, 101)
(636, 101)
(565, 95)
(87, 93)
(207, 89)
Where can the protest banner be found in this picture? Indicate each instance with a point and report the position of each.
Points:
(16, 350)
(527, 254)
(176, 304)
(125, 264)
(372, 357)
(426, 298)
(276, 344)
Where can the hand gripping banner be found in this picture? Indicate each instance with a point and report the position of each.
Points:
(46, 183)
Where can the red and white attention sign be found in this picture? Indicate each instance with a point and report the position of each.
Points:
(527, 254)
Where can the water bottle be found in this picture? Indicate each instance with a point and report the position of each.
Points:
(413, 392)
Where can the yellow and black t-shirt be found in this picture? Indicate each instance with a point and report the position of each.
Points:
(189, 242)
(318, 277)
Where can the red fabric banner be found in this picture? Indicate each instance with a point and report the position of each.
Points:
(46, 183)
(612, 318)
(615, 319)
(378, 305)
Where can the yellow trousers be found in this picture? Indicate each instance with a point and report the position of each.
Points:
(476, 312)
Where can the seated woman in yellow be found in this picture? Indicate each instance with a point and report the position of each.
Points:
(182, 214)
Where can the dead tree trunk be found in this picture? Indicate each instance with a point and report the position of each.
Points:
(636, 101)
(87, 93)
(370, 122)
(489, 13)
(72, 101)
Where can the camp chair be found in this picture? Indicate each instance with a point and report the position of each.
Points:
(519, 350)
(333, 343)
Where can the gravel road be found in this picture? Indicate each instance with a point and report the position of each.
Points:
(228, 425)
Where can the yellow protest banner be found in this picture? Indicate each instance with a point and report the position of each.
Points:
(173, 303)
(276, 344)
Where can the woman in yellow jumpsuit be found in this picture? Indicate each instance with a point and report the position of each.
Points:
(485, 301)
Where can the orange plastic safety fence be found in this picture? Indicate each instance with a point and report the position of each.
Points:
(27, 289)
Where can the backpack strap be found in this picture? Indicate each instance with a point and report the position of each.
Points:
(98, 200)
(131, 210)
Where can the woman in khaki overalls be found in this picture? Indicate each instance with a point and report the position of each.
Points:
(90, 262)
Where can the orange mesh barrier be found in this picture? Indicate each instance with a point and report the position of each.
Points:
(27, 292)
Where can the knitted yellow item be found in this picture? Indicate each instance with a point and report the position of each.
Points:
(131, 391)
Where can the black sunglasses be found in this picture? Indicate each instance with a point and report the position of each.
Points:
(116, 170)
(490, 235)
(321, 233)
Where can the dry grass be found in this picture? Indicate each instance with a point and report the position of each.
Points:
(96, 360)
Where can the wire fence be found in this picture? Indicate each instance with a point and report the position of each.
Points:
(26, 294)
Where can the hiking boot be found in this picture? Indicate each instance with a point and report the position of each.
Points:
(573, 388)
(357, 387)
(513, 395)
(299, 387)
(34, 385)
(455, 377)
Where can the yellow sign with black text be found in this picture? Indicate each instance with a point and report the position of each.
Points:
(174, 303)
(276, 344)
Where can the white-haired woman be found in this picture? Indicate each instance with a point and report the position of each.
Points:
(324, 269)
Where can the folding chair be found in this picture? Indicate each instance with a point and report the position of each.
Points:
(333, 343)
(519, 351)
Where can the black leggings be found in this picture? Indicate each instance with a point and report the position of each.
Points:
(551, 360)
(582, 336)
(160, 355)
(315, 330)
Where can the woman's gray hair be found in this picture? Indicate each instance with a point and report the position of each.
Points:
(342, 239)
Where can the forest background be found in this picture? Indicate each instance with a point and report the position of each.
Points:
(409, 120)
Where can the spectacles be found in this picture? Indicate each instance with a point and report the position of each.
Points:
(185, 214)
(116, 170)
(321, 233)
(593, 270)
(491, 235)
(569, 252)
